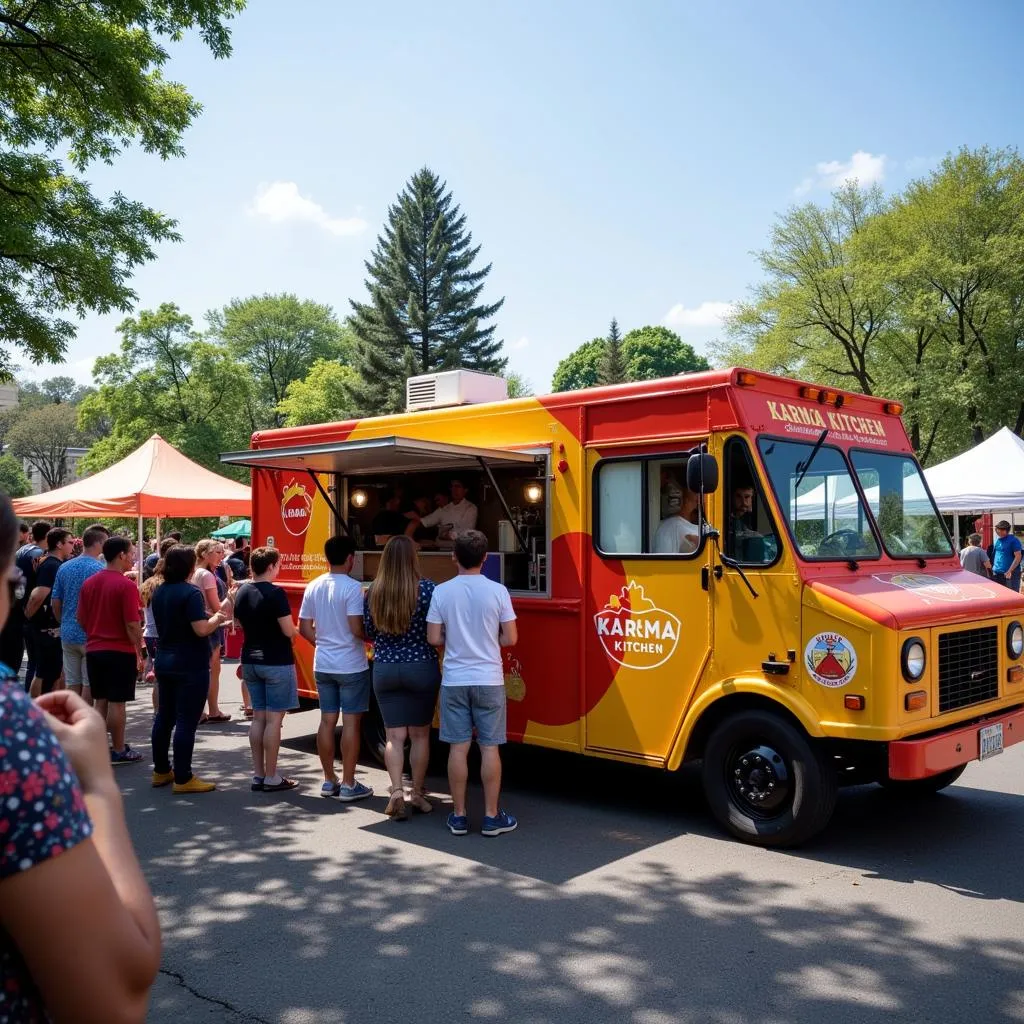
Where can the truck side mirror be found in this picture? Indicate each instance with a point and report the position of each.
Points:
(702, 473)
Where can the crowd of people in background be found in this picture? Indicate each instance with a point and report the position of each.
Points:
(1001, 561)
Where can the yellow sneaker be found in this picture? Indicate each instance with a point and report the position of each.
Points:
(195, 785)
(162, 778)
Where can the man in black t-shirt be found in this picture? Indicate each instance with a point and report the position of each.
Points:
(42, 622)
(26, 559)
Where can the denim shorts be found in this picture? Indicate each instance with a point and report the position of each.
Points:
(347, 692)
(465, 708)
(271, 687)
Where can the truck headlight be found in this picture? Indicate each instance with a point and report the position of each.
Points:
(913, 659)
(1015, 640)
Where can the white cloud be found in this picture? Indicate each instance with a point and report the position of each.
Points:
(522, 343)
(707, 314)
(280, 202)
(866, 168)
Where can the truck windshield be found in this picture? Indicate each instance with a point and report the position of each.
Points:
(907, 517)
(824, 513)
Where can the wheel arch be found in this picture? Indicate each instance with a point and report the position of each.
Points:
(728, 698)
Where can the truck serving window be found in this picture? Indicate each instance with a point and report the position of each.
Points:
(642, 507)
(819, 500)
(906, 516)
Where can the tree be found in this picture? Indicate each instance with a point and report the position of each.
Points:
(42, 437)
(321, 397)
(166, 379)
(580, 368)
(612, 369)
(653, 352)
(424, 311)
(13, 481)
(84, 79)
(278, 338)
(518, 385)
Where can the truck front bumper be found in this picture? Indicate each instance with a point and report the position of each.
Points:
(919, 758)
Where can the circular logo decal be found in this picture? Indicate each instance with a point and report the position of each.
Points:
(831, 660)
(296, 509)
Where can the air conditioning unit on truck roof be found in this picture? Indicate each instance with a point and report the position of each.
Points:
(453, 387)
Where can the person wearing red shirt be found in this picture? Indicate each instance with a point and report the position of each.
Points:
(108, 611)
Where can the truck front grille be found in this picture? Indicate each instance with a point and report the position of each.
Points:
(968, 667)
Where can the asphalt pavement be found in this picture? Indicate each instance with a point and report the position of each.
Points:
(616, 900)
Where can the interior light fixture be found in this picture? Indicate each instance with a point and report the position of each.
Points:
(359, 498)
(533, 493)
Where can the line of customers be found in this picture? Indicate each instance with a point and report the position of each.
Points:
(1001, 562)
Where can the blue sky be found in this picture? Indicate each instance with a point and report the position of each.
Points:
(613, 159)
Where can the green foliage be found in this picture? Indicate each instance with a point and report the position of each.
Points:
(278, 339)
(84, 79)
(13, 481)
(518, 385)
(42, 437)
(612, 369)
(321, 397)
(424, 311)
(580, 368)
(919, 299)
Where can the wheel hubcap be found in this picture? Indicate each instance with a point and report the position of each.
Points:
(759, 780)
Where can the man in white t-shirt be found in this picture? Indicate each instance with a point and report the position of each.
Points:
(676, 535)
(456, 517)
(331, 618)
(472, 618)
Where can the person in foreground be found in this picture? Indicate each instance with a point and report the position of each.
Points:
(472, 618)
(405, 673)
(182, 666)
(331, 619)
(79, 934)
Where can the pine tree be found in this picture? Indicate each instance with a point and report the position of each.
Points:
(612, 369)
(423, 312)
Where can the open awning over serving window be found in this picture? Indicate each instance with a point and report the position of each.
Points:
(378, 455)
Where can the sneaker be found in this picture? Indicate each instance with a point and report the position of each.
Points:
(330, 789)
(162, 779)
(195, 785)
(458, 824)
(357, 792)
(501, 822)
(126, 756)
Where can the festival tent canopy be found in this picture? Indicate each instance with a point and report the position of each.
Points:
(241, 528)
(986, 478)
(154, 481)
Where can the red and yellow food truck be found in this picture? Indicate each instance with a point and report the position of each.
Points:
(728, 567)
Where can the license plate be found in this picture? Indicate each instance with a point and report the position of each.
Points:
(990, 741)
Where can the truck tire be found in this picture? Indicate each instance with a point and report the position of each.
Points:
(911, 788)
(765, 780)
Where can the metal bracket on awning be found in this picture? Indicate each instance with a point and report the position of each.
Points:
(504, 504)
(330, 502)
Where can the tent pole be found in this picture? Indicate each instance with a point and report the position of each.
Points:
(956, 530)
(140, 556)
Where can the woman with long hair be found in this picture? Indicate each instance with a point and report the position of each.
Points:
(79, 934)
(185, 625)
(209, 555)
(406, 676)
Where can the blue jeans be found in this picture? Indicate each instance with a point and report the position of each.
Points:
(181, 696)
(1012, 581)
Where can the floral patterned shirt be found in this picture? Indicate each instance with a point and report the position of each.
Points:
(412, 644)
(42, 814)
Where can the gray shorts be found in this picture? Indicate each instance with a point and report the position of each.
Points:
(465, 708)
(75, 671)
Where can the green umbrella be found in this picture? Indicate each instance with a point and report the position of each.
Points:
(241, 528)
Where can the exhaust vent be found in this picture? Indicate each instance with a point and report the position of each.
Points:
(453, 387)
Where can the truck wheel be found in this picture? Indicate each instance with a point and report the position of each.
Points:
(765, 781)
(374, 736)
(922, 787)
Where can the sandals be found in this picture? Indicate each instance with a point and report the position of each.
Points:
(396, 809)
(419, 801)
(214, 719)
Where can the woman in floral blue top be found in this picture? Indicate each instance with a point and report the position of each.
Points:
(79, 936)
(406, 676)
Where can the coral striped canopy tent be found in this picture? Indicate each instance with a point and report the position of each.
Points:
(154, 482)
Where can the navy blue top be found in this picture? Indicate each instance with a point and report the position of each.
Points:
(175, 607)
(412, 645)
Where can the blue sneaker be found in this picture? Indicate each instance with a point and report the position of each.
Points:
(501, 822)
(330, 789)
(357, 792)
(458, 824)
(126, 756)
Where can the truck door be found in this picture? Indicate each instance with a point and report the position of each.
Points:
(648, 617)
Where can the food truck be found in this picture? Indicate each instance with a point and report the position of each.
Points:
(811, 628)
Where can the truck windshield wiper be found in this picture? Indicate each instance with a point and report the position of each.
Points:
(802, 467)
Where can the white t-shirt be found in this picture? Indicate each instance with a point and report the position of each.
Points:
(452, 519)
(675, 536)
(471, 608)
(329, 600)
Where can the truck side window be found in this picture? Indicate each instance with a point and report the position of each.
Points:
(642, 507)
(750, 535)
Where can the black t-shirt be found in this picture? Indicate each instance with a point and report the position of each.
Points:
(25, 561)
(175, 607)
(258, 606)
(46, 575)
(388, 524)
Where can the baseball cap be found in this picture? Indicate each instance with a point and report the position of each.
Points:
(1002, 525)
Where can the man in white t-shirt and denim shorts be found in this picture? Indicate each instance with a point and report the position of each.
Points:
(331, 618)
(472, 618)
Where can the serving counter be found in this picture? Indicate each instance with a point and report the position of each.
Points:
(511, 569)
